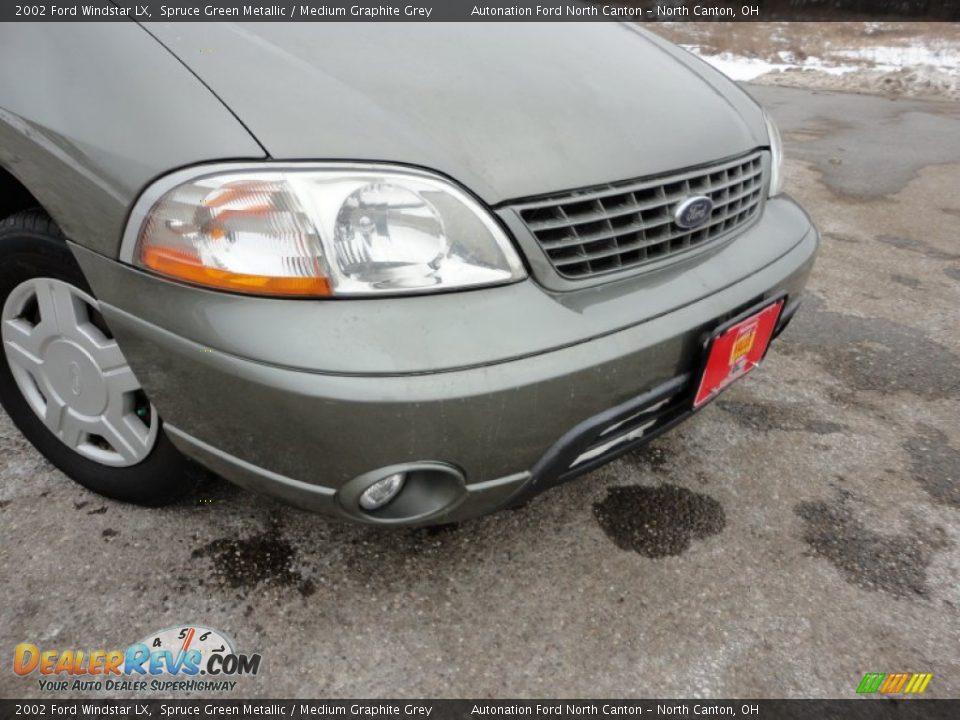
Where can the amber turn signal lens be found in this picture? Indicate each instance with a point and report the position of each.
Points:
(182, 265)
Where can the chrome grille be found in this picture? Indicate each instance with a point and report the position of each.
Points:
(628, 224)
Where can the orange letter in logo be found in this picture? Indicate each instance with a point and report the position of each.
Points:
(112, 662)
(25, 658)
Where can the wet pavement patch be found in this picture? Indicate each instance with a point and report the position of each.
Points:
(905, 280)
(918, 246)
(816, 128)
(873, 561)
(266, 557)
(659, 521)
(873, 354)
(763, 416)
(850, 239)
(935, 465)
(656, 455)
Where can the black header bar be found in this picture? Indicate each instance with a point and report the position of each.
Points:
(479, 11)
(858, 709)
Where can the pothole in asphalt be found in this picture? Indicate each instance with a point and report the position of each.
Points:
(658, 521)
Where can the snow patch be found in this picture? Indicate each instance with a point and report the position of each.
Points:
(743, 69)
(912, 70)
(944, 57)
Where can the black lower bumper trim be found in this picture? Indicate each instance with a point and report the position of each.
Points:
(614, 432)
(658, 409)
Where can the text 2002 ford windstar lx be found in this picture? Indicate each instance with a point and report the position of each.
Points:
(397, 275)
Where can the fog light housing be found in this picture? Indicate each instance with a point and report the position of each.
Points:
(380, 493)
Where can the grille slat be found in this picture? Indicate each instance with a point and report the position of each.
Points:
(636, 185)
(589, 238)
(581, 219)
(628, 224)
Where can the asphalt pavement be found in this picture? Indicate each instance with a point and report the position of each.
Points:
(801, 531)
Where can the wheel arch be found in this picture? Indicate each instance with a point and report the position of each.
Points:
(15, 196)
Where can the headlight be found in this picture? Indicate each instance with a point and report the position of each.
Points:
(319, 230)
(776, 157)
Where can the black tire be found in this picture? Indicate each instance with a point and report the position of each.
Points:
(32, 246)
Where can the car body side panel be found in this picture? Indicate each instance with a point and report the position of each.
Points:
(90, 113)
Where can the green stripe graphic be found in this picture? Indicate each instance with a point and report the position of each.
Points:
(871, 682)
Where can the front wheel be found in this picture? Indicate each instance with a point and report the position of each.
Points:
(64, 380)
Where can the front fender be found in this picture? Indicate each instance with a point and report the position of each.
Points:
(90, 113)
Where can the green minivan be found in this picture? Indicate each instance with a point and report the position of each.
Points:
(400, 278)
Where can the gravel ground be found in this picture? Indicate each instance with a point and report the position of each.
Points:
(799, 532)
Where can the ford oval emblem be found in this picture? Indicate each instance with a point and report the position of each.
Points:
(693, 212)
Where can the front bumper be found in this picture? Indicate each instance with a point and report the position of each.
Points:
(302, 400)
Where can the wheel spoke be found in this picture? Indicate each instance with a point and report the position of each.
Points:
(128, 436)
(21, 356)
(55, 414)
(26, 337)
(108, 357)
(62, 423)
(61, 309)
(72, 430)
(121, 380)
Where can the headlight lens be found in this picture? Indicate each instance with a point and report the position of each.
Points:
(309, 231)
(386, 233)
(776, 157)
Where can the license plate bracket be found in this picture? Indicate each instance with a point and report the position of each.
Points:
(737, 347)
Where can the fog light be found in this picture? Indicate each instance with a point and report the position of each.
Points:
(382, 492)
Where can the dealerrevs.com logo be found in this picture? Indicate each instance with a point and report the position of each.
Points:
(182, 658)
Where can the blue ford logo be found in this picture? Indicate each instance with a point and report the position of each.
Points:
(693, 212)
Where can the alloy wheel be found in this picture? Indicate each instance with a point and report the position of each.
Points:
(73, 375)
